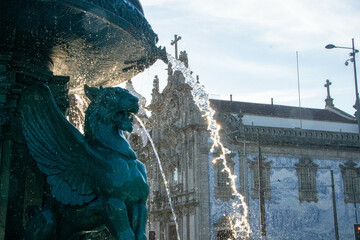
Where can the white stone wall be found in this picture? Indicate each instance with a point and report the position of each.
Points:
(265, 121)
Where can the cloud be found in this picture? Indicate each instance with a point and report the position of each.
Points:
(250, 45)
(158, 3)
(292, 22)
(240, 65)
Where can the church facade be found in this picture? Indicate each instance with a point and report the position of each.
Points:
(310, 165)
(301, 161)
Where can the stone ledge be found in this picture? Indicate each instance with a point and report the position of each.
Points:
(298, 137)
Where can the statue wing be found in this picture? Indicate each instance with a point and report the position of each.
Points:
(60, 150)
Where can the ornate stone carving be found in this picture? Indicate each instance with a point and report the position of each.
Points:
(156, 87)
(297, 137)
(230, 125)
(170, 70)
(184, 58)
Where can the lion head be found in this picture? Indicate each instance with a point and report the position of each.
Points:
(110, 107)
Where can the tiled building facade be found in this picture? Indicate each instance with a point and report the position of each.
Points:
(299, 149)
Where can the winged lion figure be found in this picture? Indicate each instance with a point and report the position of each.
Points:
(96, 179)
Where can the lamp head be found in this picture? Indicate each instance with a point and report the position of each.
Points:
(330, 46)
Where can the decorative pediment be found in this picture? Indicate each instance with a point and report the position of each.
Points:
(254, 163)
(229, 121)
(306, 162)
(349, 165)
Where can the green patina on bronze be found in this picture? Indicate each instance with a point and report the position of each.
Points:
(96, 180)
(97, 42)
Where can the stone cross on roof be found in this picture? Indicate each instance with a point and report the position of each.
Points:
(176, 39)
(328, 100)
(327, 85)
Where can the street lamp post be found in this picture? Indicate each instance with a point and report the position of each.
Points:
(336, 225)
(352, 59)
(354, 197)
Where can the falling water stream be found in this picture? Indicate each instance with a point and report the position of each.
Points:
(162, 174)
(240, 224)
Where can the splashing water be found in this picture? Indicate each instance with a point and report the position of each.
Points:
(239, 223)
(162, 174)
(76, 110)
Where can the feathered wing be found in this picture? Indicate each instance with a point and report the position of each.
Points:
(60, 150)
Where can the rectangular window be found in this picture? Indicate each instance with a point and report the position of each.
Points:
(223, 189)
(351, 182)
(306, 171)
(255, 179)
(351, 186)
(222, 178)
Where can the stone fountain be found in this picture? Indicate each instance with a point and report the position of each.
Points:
(64, 44)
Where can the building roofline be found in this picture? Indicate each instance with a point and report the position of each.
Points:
(272, 110)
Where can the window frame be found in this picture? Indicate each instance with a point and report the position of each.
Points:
(351, 187)
(266, 172)
(306, 171)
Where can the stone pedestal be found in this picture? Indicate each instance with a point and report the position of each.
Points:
(21, 183)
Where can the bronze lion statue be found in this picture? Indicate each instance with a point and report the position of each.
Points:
(96, 180)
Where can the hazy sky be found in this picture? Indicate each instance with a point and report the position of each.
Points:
(248, 48)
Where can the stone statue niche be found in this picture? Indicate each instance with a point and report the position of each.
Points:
(96, 180)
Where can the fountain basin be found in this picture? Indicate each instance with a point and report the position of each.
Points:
(100, 42)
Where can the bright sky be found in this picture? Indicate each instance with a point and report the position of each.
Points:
(248, 48)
